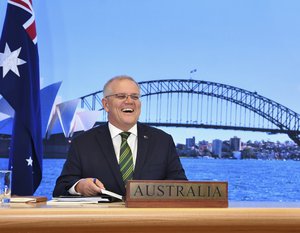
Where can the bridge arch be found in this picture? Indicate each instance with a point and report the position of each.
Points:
(228, 105)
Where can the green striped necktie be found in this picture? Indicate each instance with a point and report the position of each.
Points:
(126, 160)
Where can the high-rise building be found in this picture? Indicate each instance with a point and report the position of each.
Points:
(235, 144)
(217, 147)
(190, 142)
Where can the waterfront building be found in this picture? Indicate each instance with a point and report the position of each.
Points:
(235, 144)
(190, 142)
(217, 147)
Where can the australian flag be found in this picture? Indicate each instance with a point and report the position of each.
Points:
(20, 86)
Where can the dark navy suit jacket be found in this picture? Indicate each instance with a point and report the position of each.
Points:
(91, 154)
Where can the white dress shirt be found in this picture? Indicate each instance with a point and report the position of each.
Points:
(117, 139)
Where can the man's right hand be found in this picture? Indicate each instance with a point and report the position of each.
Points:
(89, 187)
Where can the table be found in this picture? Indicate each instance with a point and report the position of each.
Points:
(114, 217)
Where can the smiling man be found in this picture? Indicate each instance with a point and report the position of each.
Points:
(122, 102)
(106, 156)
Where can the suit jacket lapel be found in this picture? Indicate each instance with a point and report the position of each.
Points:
(105, 142)
(143, 142)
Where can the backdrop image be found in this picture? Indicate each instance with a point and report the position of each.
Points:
(222, 77)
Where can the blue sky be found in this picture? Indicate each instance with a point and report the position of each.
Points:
(251, 44)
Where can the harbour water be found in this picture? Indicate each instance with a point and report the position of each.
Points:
(248, 180)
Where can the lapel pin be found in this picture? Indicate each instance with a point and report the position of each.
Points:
(145, 136)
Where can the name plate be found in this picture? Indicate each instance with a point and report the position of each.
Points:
(175, 193)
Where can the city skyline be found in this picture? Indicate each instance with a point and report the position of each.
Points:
(250, 44)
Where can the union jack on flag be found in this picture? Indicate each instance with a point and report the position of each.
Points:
(29, 25)
(20, 86)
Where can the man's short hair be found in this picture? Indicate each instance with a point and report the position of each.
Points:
(119, 77)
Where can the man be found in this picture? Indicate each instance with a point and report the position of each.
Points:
(94, 156)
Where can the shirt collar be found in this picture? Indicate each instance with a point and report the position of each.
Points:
(114, 131)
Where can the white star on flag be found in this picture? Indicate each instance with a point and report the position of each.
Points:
(29, 161)
(10, 61)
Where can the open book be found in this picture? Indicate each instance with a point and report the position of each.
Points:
(80, 199)
(106, 196)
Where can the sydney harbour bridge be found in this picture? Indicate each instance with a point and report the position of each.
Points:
(201, 104)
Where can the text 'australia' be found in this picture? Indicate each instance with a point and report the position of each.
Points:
(178, 191)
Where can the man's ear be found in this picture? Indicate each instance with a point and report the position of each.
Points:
(105, 104)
